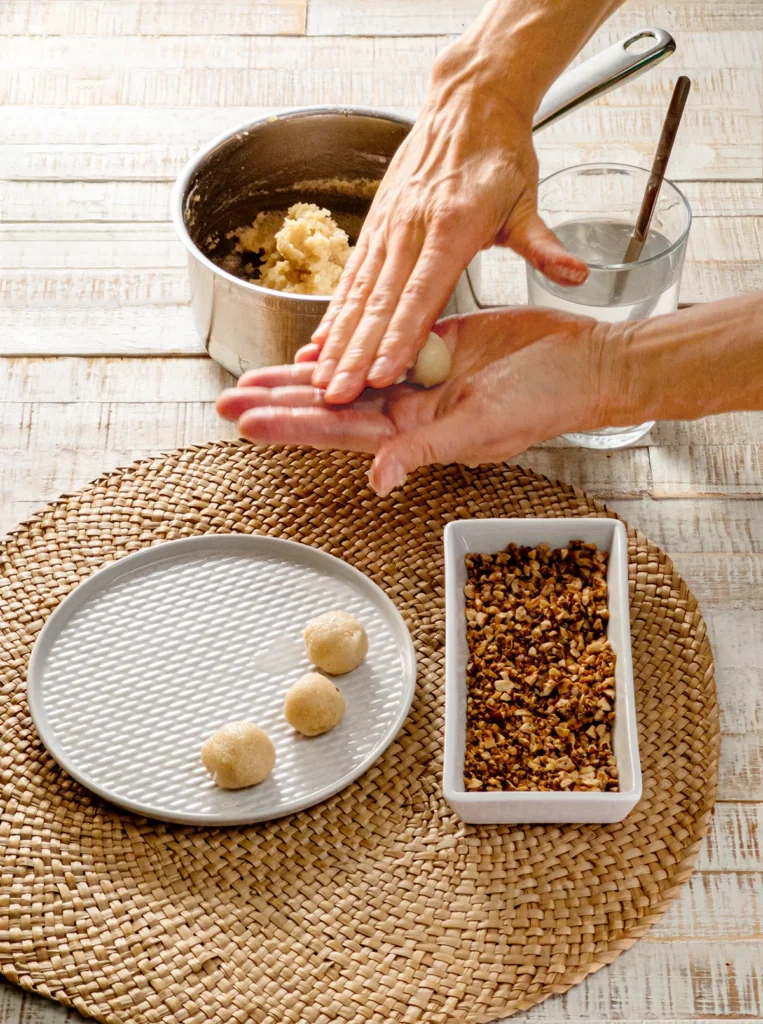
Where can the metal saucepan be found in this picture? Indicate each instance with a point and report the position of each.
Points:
(257, 166)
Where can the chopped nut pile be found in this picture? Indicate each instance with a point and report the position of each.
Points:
(540, 677)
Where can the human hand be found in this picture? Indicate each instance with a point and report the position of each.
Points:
(519, 376)
(464, 179)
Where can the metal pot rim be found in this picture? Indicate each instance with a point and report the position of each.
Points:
(181, 184)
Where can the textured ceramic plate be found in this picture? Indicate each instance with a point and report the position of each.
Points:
(147, 658)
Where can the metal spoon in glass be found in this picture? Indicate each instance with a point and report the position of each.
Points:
(652, 190)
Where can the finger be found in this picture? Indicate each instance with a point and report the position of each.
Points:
(236, 401)
(438, 442)
(346, 429)
(359, 271)
(427, 292)
(349, 314)
(308, 353)
(345, 283)
(352, 370)
(276, 376)
(531, 239)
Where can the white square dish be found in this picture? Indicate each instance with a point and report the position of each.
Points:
(488, 536)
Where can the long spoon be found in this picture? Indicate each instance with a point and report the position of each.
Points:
(653, 186)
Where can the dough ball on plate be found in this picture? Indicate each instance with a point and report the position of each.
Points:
(335, 642)
(238, 755)
(313, 705)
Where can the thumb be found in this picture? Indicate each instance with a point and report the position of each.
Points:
(531, 239)
(436, 443)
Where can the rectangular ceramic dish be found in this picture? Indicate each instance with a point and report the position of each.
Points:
(487, 536)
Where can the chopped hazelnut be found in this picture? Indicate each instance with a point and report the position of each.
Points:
(541, 686)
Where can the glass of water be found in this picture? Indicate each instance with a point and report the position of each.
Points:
(592, 209)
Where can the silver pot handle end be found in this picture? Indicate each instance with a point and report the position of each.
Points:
(602, 72)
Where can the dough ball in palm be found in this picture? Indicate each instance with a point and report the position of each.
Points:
(313, 705)
(238, 755)
(432, 364)
(335, 642)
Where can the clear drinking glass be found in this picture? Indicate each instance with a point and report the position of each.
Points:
(592, 209)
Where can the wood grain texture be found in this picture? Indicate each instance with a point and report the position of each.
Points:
(136, 201)
(421, 17)
(156, 18)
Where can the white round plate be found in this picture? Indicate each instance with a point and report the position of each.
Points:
(147, 658)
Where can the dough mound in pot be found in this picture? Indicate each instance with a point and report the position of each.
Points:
(303, 252)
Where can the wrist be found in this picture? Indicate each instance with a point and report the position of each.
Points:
(492, 61)
(611, 398)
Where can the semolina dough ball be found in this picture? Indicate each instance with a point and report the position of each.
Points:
(313, 705)
(335, 642)
(432, 364)
(238, 755)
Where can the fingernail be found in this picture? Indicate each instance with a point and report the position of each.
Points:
(392, 475)
(338, 385)
(323, 372)
(380, 369)
(575, 275)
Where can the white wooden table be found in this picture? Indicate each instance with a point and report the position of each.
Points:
(103, 102)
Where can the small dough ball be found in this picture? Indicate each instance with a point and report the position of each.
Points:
(335, 642)
(313, 705)
(432, 365)
(238, 755)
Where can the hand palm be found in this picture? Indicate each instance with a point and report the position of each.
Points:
(509, 387)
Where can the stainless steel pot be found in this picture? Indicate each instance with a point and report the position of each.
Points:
(261, 166)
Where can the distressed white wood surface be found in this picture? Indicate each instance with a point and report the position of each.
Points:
(103, 101)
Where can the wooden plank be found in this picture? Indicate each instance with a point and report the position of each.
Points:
(707, 525)
(707, 470)
(153, 381)
(131, 330)
(713, 145)
(158, 18)
(726, 429)
(19, 1007)
(92, 287)
(665, 981)
(735, 839)
(102, 246)
(128, 201)
(138, 201)
(102, 162)
(729, 51)
(730, 580)
(710, 905)
(421, 17)
(130, 125)
(221, 70)
(741, 766)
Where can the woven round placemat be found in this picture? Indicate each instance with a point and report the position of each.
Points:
(378, 905)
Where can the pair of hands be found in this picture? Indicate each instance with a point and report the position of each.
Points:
(519, 376)
(465, 178)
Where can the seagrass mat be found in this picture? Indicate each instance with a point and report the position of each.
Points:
(378, 905)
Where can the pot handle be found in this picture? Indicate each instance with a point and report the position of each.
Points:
(604, 71)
